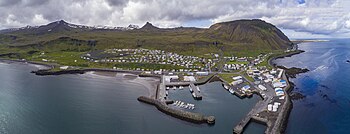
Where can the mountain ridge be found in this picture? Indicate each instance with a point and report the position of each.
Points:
(230, 37)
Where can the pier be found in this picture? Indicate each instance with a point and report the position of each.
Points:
(195, 92)
(183, 115)
(275, 121)
(238, 129)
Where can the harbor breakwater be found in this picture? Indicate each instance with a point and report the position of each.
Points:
(79, 71)
(183, 115)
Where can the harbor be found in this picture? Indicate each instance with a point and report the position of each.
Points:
(272, 111)
(263, 113)
(118, 98)
(269, 111)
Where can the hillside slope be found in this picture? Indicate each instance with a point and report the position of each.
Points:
(250, 32)
(229, 37)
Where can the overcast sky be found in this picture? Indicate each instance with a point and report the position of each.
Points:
(297, 18)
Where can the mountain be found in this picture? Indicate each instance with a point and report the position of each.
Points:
(249, 32)
(149, 27)
(233, 37)
(62, 26)
(54, 27)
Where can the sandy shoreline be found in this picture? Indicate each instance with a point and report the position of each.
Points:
(34, 64)
(150, 83)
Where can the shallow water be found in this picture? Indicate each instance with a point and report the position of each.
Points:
(72, 104)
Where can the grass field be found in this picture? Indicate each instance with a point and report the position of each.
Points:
(64, 45)
(227, 77)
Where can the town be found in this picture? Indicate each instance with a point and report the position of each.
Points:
(240, 76)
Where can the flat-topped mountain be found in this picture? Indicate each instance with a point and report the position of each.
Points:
(230, 37)
(249, 31)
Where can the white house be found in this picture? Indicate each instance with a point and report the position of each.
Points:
(64, 67)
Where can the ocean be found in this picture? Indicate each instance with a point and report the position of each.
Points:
(92, 104)
(326, 107)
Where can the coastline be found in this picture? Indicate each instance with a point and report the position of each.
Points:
(149, 82)
(308, 40)
(43, 65)
(283, 121)
(279, 126)
(280, 56)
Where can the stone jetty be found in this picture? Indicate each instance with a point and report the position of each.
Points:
(79, 71)
(274, 121)
(183, 115)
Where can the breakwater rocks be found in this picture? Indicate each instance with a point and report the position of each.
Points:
(183, 115)
(290, 54)
(296, 96)
(281, 128)
(48, 72)
(82, 71)
(292, 72)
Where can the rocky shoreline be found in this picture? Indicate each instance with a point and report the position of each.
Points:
(292, 72)
(79, 71)
(296, 96)
(270, 61)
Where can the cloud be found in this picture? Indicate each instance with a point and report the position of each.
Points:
(9, 2)
(327, 17)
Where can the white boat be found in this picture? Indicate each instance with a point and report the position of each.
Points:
(194, 95)
(191, 89)
(226, 87)
(181, 87)
(167, 88)
(231, 91)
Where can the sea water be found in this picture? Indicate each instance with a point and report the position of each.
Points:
(326, 108)
(89, 104)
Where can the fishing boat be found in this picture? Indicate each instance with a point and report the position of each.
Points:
(225, 86)
(231, 91)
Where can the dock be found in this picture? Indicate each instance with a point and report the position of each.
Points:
(195, 92)
(275, 121)
(238, 129)
(180, 114)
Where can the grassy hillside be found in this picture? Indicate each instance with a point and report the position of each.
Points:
(244, 37)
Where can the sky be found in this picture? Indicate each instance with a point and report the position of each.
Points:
(297, 18)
